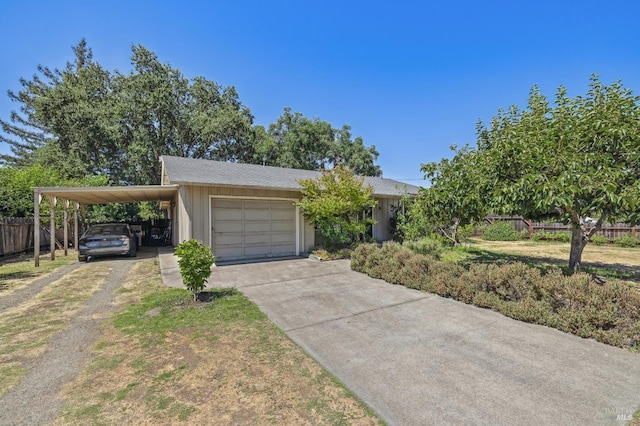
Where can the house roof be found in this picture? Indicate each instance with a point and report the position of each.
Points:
(190, 171)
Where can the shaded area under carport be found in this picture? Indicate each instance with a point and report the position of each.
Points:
(90, 195)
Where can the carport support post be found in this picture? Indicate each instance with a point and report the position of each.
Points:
(65, 205)
(52, 225)
(75, 224)
(37, 197)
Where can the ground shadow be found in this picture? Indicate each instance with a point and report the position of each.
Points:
(144, 252)
(214, 294)
(606, 270)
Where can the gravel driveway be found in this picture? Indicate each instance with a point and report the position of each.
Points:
(34, 400)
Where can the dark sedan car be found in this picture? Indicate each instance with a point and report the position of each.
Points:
(107, 239)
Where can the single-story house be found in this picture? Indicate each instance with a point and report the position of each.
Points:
(246, 211)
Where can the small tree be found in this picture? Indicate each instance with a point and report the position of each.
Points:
(575, 160)
(454, 198)
(195, 260)
(335, 204)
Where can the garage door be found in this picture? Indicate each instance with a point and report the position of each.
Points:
(249, 229)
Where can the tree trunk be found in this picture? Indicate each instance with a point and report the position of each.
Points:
(578, 242)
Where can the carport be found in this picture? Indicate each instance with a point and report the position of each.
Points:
(77, 196)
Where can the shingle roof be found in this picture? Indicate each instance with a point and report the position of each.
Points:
(192, 171)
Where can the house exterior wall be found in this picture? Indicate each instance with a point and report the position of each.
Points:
(382, 214)
(192, 213)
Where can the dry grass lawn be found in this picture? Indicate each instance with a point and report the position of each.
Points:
(26, 329)
(609, 261)
(167, 360)
(592, 254)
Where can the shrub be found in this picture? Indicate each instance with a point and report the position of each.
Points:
(361, 256)
(465, 232)
(416, 273)
(195, 260)
(609, 313)
(500, 231)
(599, 240)
(560, 237)
(626, 241)
(427, 246)
(539, 236)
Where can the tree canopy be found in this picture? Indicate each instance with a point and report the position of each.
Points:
(86, 120)
(455, 197)
(299, 142)
(335, 205)
(576, 159)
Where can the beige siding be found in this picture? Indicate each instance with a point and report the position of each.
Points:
(192, 213)
(196, 200)
(382, 215)
(183, 219)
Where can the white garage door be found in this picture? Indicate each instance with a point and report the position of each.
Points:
(248, 229)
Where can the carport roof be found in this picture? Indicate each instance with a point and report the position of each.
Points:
(111, 194)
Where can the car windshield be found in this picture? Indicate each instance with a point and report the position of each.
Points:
(108, 230)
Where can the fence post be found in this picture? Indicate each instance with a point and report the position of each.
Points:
(530, 226)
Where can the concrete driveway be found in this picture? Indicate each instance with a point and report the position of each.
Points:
(419, 359)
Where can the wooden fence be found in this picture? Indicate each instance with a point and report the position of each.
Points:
(16, 235)
(609, 230)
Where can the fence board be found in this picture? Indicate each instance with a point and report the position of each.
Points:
(16, 235)
(609, 230)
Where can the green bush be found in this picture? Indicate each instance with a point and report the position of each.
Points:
(609, 313)
(539, 236)
(599, 240)
(626, 241)
(427, 246)
(559, 237)
(500, 231)
(195, 260)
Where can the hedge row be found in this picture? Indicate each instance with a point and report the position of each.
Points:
(609, 313)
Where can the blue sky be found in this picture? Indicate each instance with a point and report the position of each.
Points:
(410, 77)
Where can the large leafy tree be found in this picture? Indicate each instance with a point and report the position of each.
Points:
(16, 188)
(455, 197)
(64, 120)
(335, 204)
(577, 160)
(163, 112)
(83, 119)
(300, 142)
